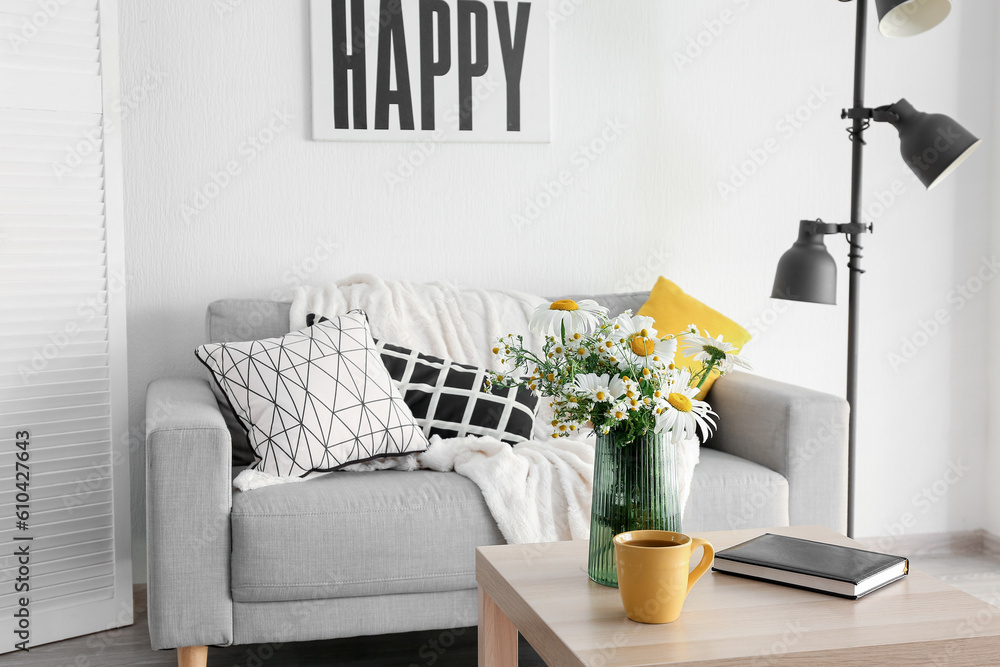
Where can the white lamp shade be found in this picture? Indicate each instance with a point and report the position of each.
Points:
(905, 18)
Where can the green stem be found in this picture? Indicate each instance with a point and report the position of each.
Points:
(706, 371)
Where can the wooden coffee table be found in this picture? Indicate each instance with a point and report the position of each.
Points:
(542, 590)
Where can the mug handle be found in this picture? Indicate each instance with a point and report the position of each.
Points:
(706, 561)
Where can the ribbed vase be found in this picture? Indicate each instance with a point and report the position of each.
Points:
(635, 488)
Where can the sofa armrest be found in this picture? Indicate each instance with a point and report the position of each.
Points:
(188, 502)
(797, 432)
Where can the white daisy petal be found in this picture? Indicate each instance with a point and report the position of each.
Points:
(600, 388)
(581, 316)
(705, 349)
(683, 415)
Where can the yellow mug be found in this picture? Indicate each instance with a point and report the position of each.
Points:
(653, 577)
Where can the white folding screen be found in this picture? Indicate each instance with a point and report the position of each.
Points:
(65, 546)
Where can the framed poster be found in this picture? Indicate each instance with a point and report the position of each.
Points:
(430, 70)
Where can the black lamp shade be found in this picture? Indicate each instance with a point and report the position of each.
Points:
(806, 272)
(905, 18)
(932, 145)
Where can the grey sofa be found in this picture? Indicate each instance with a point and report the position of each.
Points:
(381, 552)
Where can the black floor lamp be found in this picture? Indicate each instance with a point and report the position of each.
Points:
(932, 145)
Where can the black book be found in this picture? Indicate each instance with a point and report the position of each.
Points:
(815, 566)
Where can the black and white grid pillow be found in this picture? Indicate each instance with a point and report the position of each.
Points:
(446, 398)
(316, 399)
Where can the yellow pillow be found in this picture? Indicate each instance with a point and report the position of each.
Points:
(673, 311)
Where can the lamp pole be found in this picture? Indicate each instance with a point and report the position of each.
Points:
(854, 261)
(806, 272)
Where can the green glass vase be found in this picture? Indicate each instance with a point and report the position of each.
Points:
(635, 488)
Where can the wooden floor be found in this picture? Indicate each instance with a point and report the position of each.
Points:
(130, 646)
(975, 573)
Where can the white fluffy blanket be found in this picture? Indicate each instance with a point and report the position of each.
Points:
(537, 491)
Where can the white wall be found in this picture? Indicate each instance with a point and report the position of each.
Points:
(648, 204)
(993, 358)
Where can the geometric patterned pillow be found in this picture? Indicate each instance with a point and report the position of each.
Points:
(447, 398)
(316, 399)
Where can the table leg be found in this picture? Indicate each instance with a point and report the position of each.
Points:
(497, 635)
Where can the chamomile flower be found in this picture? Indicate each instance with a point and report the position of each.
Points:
(640, 351)
(601, 388)
(640, 343)
(681, 414)
(628, 324)
(576, 316)
(707, 349)
(507, 364)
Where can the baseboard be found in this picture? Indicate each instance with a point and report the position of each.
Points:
(928, 544)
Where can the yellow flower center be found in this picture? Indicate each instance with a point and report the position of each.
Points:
(642, 345)
(601, 396)
(564, 304)
(680, 402)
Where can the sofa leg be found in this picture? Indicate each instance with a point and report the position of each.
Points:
(192, 656)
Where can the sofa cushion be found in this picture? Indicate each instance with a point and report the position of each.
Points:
(728, 492)
(674, 311)
(358, 533)
(447, 398)
(316, 399)
(233, 320)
